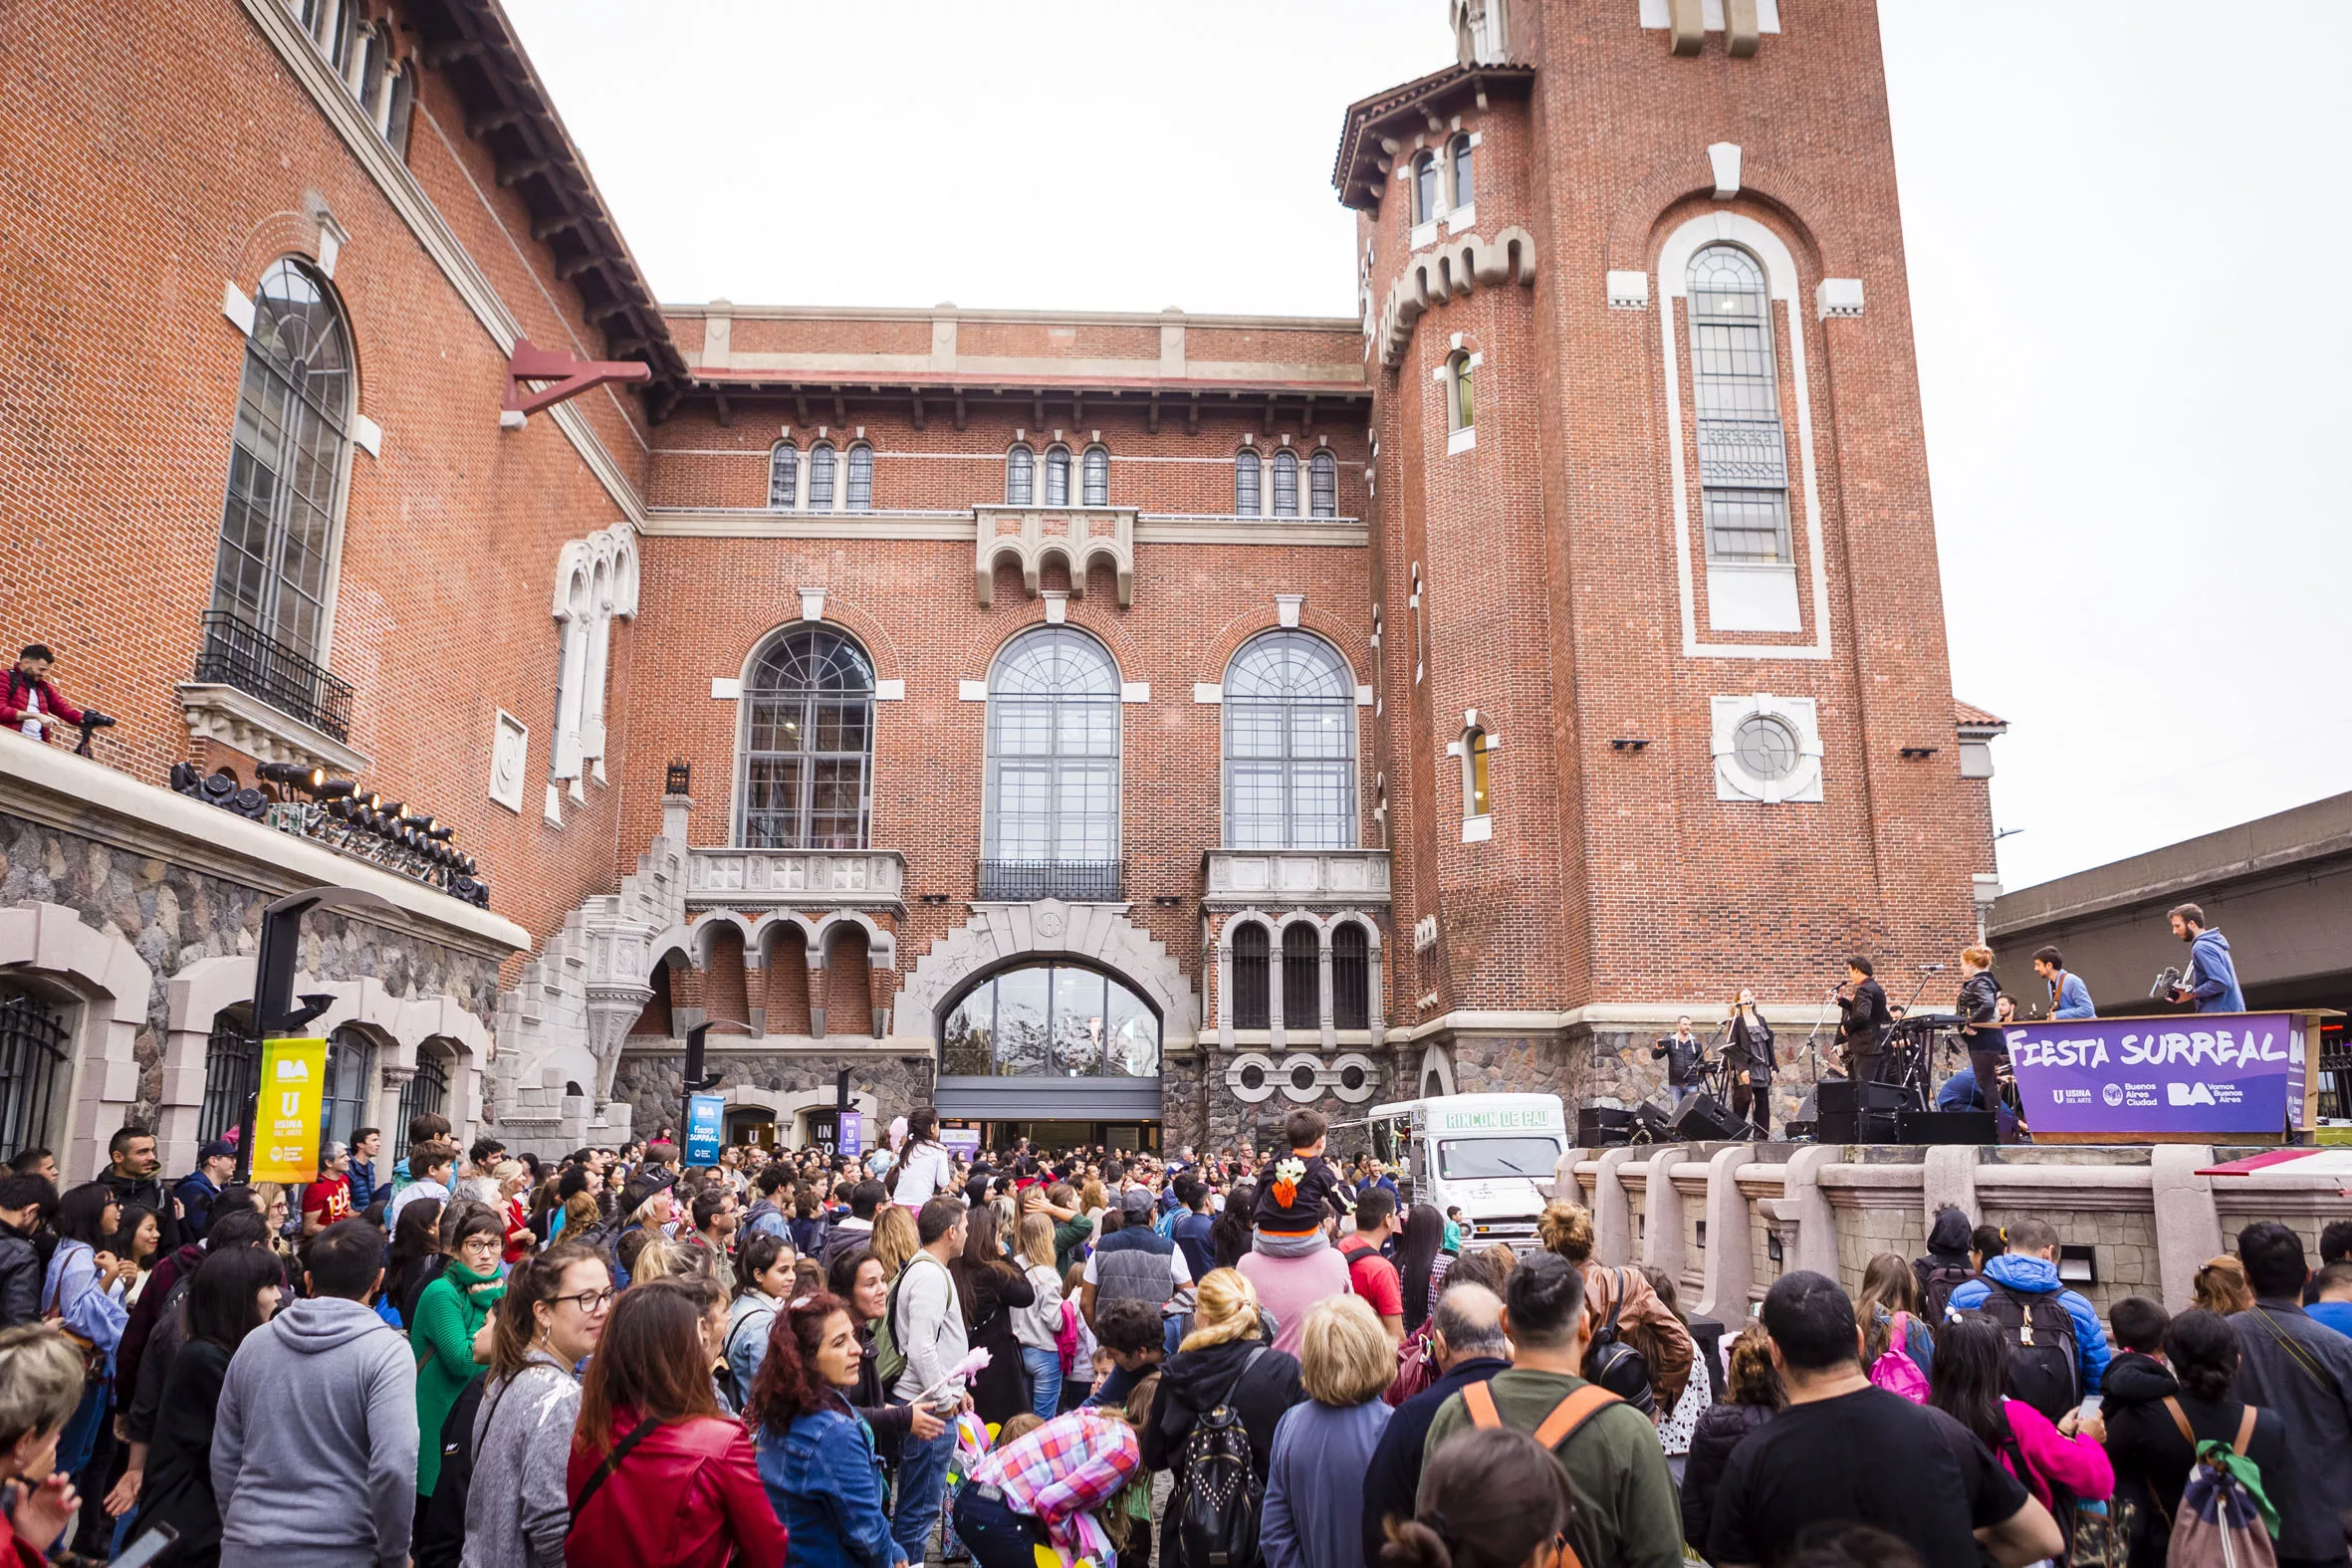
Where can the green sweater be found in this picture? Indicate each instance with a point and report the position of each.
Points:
(1627, 1515)
(447, 1319)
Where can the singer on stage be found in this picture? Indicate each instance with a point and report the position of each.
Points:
(1863, 1023)
(1748, 1055)
(1987, 1043)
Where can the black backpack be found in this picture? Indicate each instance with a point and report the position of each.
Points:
(1937, 1281)
(1616, 1364)
(2046, 1373)
(1216, 1506)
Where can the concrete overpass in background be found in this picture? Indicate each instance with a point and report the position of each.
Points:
(2279, 887)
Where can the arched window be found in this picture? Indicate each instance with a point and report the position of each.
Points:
(1052, 751)
(288, 465)
(784, 477)
(1352, 976)
(399, 110)
(232, 1068)
(1461, 393)
(808, 743)
(1742, 452)
(1097, 478)
(1289, 745)
(821, 477)
(1425, 189)
(1477, 751)
(1302, 989)
(1285, 483)
(1322, 485)
(35, 1063)
(425, 1095)
(1019, 477)
(1058, 476)
(1252, 1004)
(1246, 469)
(861, 478)
(350, 1066)
(1458, 153)
(1050, 1020)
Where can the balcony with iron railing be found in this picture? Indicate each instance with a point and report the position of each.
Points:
(1072, 881)
(237, 653)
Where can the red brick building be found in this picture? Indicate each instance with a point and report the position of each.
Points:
(1135, 724)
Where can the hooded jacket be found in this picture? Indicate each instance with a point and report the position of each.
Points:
(20, 1278)
(1194, 1381)
(2213, 976)
(314, 1453)
(2038, 1277)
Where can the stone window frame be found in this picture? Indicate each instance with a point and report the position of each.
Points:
(1231, 702)
(824, 466)
(1248, 483)
(1055, 466)
(1284, 477)
(1095, 476)
(1280, 1029)
(597, 582)
(1322, 483)
(784, 473)
(857, 477)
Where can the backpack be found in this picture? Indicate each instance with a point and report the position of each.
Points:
(1894, 1370)
(1566, 1418)
(1615, 1365)
(1936, 1284)
(2225, 1520)
(737, 1394)
(2047, 1374)
(1215, 1509)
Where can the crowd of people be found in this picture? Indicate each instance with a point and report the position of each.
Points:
(1021, 1357)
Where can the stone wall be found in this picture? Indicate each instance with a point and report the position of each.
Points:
(1232, 1109)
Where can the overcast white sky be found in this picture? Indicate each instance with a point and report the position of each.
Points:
(2117, 219)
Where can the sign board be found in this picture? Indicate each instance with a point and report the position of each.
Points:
(961, 1139)
(1445, 1118)
(849, 1136)
(2184, 1076)
(286, 1120)
(706, 1127)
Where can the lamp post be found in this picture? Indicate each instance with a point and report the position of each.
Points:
(274, 1010)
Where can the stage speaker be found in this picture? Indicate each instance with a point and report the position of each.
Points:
(1970, 1127)
(1882, 1104)
(1604, 1127)
(1702, 1118)
(1650, 1124)
(1831, 1106)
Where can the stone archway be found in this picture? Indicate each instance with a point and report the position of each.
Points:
(1048, 928)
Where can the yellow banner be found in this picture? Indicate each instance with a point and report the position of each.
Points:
(285, 1119)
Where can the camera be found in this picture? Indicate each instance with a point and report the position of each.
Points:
(2168, 980)
(91, 722)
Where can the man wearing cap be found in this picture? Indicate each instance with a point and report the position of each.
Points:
(1135, 1263)
(197, 1190)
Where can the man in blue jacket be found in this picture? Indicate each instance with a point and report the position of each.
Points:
(2069, 996)
(2212, 981)
(2029, 1268)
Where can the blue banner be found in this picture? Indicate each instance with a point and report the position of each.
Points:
(851, 1139)
(706, 1127)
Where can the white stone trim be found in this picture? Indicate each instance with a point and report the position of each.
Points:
(238, 719)
(1734, 782)
(891, 690)
(1838, 296)
(1627, 290)
(999, 933)
(1462, 440)
(972, 691)
(725, 688)
(109, 983)
(1724, 158)
(368, 436)
(1478, 829)
(1654, 17)
(237, 306)
(1135, 691)
(812, 603)
(1364, 696)
(1287, 607)
(1781, 275)
(510, 760)
(1208, 693)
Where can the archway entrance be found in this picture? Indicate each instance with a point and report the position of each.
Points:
(751, 1124)
(1052, 1041)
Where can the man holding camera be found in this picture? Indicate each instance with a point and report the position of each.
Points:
(2212, 981)
(30, 702)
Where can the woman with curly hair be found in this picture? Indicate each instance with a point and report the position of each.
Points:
(816, 1456)
(1754, 1395)
(1620, 1299)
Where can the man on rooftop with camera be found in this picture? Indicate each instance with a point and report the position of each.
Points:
(2212, 981)
(30, 701)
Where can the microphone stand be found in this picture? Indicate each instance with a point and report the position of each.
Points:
(1811, 1047)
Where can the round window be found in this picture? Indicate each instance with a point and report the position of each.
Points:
(1252, 1076)
(1351, 1076)
(1302, 1077)
(1767, 747)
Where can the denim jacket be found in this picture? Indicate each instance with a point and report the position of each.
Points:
(827, 1487)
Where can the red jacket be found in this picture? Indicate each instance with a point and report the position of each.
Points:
(687, 1496)
(12, 700)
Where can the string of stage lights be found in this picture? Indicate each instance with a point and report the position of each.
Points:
(307, 803)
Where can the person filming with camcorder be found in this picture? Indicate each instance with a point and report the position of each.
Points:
(2210, 982)
(31, 704)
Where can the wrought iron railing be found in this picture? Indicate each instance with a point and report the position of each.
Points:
(237, 653)
(1076, 881)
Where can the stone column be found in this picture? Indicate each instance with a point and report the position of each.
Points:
(816, 992)
(1730, 1271)
(1275, 1035)
(677, 815)
(611, 1009)
(2188, 1227)
(1949, 1177)
(1664, 1246)
(1224, 994)
(1612, 1216)
(1322, 967)
(1808, 1205)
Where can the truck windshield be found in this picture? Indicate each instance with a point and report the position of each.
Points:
(1459, 1159)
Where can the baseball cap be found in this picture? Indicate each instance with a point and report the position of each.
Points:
(1135, 1200)
(218, 1148)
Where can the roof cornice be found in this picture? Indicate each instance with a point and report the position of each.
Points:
(1361, 167)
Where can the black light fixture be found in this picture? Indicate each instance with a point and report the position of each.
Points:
(1167, 900)
(934, 898)
(1772, 1245)
(297, 776)
(1628, 743)
(1913, 754)
(677, 780)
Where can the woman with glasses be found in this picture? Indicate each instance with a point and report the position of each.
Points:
(548, 1322)
(449, 1313)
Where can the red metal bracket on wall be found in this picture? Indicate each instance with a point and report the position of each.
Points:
(572, 377)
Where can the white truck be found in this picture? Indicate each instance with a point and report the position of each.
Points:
(1490, 1155)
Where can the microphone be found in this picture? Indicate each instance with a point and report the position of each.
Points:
(1931, 969)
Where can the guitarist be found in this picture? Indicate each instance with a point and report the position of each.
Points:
(1864, 1022)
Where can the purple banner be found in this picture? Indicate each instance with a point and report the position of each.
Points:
(2210, 1072)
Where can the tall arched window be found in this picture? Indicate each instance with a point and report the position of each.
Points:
(290, 463)
(861, 478)
(1251, 989)
(821, 477)
(808, 743)
(1458, 153)
(1097, 478)
(1461, 393)
(1742, 452)
(1052, 751)
(1302, 989)
(1285, 483)
(1352, 976)
(1021, 477)
(784, 477)
(1050, 1020)
(1058, 476)
(1478, 749)
(1322, 485)
(1289, 745)
(1425, 189)
(1246, 472)
(36, 1065)
(425, 1095)
(350, 1066)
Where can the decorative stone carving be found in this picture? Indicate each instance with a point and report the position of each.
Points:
(804, 878)
(1030, 535)
(1353, 878)
(1048, 928)
(510, 757)
(1455, 267)
(243, 722)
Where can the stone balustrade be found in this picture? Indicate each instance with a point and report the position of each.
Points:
(1241, 878)
(719, 878)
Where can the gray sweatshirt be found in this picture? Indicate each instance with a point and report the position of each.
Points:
(517, 1511)
(930, 1322)
(314, 1455)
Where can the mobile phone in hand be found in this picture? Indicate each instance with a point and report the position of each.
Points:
(150, 1546)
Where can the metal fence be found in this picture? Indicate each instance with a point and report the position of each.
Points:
(237, 653)
(1078, 881)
